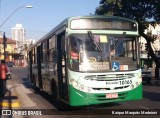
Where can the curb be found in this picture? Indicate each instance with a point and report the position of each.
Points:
(15, 104)
(11, 99)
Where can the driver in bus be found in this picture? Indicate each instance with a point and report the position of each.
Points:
(112, 49)
(74, 57)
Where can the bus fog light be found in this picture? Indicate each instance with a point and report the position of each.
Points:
(89, 89)
(82, 88)
(132, 86)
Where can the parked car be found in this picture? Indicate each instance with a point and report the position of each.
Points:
(146, 75)
(9, 73)
(10, 64)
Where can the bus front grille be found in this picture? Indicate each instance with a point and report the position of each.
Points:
(104, 89)
(110, 77)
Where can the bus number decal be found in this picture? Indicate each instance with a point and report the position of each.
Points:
(125, 82)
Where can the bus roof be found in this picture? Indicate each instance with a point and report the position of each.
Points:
(100, 16)
(66, 21)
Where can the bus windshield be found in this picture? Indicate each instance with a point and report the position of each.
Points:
(117, 53)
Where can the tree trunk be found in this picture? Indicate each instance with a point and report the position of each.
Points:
(157, 68)
(152, 54)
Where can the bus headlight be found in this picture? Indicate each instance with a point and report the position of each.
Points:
(139, 81)
(80, 87)
(74, 83)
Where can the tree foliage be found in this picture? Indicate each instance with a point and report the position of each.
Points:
(145, 12)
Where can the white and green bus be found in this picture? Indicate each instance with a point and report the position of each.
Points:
(88, 60)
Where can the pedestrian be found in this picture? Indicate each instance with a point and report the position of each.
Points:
(3, 72)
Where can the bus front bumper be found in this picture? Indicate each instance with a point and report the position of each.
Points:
(79, 98)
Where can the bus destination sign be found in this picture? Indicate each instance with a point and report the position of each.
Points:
(103, 23)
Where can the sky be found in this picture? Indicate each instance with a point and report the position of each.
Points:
(44, 15)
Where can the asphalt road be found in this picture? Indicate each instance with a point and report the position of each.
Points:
(34, 99)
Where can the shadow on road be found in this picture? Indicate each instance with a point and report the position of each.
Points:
(8, 101)
(62, 107)
(152, 83)
(155, 96)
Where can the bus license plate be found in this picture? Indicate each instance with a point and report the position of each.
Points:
(112, 95)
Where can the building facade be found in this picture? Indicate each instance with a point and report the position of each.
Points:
(18, 34)
(11, 50)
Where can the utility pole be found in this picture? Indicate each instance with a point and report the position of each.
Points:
(4, 45)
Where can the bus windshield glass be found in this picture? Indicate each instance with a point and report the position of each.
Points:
(115, 53)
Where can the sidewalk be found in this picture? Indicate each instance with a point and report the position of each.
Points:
(10, 100)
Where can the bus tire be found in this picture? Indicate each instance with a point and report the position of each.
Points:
(54, 90)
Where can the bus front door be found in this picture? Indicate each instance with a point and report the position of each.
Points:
(61, 68)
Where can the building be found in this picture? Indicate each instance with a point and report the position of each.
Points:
(18, 34)
(11, 50)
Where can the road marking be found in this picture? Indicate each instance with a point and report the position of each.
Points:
(8, 104)
(144, 107)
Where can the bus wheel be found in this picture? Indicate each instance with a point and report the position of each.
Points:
(54, 91)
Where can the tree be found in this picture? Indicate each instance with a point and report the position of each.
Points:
(145, 12)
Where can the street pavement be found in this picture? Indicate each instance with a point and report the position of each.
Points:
(10, 99)
(14, 91)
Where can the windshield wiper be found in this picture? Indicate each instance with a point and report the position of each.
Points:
(98, 47)
(119, 41)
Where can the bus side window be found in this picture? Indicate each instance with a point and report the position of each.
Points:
(112, 49)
